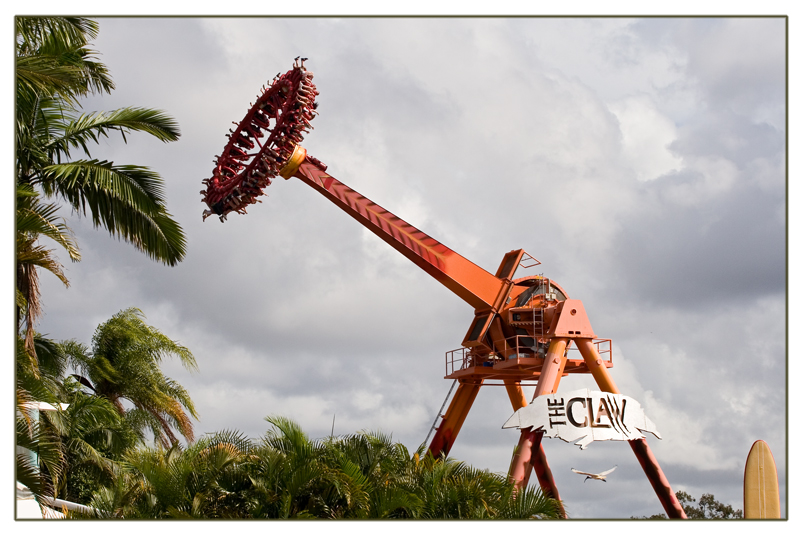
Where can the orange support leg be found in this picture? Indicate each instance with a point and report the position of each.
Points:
(515, 394)
(529, 453)
(453, 419)
(640, 446)
(539, 462)
(529, 446)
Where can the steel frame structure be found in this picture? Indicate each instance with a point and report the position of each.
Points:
(522, 328)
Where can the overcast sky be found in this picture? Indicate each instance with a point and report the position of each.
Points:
(642, 161)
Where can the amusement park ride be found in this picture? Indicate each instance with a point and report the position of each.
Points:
(522, 328)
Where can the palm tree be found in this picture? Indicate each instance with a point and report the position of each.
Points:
(377, 467)
(290, 475)
(450, 489)
(34, 220)
(530, 503)
(123, 364)
(58, 446)
(39, 457)
(287, 475)
(55, 68)
(93, 436)
(53, 58)
(367, 476)
(205, 480)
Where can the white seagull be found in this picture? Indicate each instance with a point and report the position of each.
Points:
(595, 476)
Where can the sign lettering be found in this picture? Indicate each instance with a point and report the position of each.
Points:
(555, 411)
(585, 417)
(570, 415)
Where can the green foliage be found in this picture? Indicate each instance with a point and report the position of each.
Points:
(35, 219)
(124, 364)
(37, 473)
(54, 69)
(93, 436)
(53, 58)
(77, 447)
(705, 508)
(286, 475)
(39, 458)
(127, 200)
(81, 447)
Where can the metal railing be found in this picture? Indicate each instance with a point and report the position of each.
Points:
(517, 346)
(603, 347)
(459, 356)
(511, 347)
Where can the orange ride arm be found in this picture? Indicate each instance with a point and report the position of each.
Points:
(473, 284)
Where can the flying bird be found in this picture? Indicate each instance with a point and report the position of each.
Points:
(595, 476)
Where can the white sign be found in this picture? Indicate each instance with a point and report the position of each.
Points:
(585, 416)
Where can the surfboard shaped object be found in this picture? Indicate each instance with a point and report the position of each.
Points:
(761, 484)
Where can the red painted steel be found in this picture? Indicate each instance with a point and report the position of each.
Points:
(529, 445)
(571, 321)
(546, 481)
(483, 291)
(552, 368)
(281, 114)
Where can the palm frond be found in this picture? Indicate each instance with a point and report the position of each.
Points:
(125, 200)
(55, 67)
(36, 439)
(51, 357)
(78, 132)
(97, 183)
(123, 363)
(48, 76)
(34, 219)
(30, 32)
(63, 64)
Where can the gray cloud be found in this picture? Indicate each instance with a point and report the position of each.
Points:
(648, 182)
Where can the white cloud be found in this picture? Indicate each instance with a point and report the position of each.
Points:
(646, 135)
(489, 134)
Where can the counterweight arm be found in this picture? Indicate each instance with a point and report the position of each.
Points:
(473, 284)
